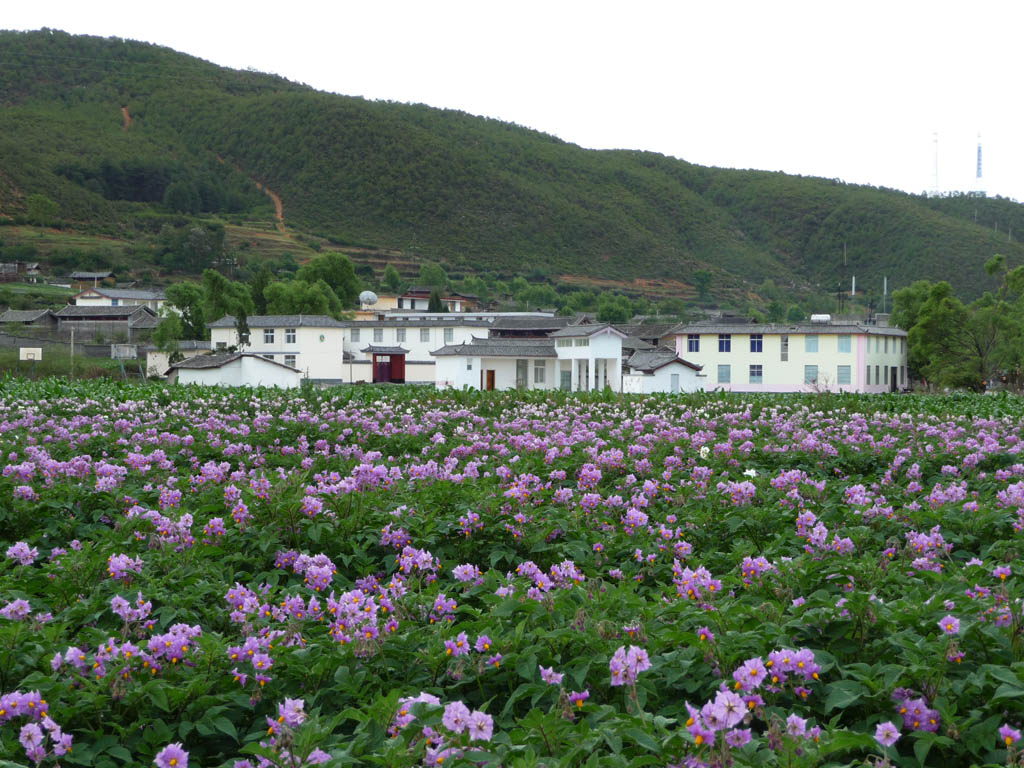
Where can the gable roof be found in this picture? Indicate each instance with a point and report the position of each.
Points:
(774, 329)
(124, 293)
(75, 311)
(385, 350)
(280, 321)
(650, 360)
(577, 331)
(499, 347)
(91, 275)
(219, 361)
(24, 315)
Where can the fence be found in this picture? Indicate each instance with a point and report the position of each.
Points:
(8, 340)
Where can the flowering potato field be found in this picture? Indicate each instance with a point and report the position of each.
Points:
(207, 577)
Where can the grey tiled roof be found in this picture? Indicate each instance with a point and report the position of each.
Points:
(23, 315)
(530, 323)
(101, 312)
(91, 275)
(646, 330)
(499, 347)
(584, 330)
(372, 350)
(424, 323)
(635, 343)
(280, 321)
(652, 359)
(184, 345)
(217, 361)
(128, 293)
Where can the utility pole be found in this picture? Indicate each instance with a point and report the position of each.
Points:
(72, 353)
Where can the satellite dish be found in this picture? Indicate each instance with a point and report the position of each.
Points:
(367, 298)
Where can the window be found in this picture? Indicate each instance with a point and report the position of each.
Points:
(114, 302)
(725, 342)
(902, 369)
(810, 374)
(289, 335)
(289, 360)
(222, 345)
(400, 334)
(844, 342)
(355, 334)
(843, 375)
(449, 335)
(469, 364)
(811, 343)
(378, 335)
(581, 342)
(693, 342)
(538, 371)
(867, 374)
(885, 375)
(886, 345)
(878, 379)
(424, 334)
(756, 374)
(563, 343)
(268, 357)
(756, 342)
(784, 347)
(723, 374)
(268, 335)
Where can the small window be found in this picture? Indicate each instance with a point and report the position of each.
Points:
(355, 334)
(756, 374)
(581, 342)
(289, 360)
(400, 334)
(114, 302)
(424, 334)
(867, 374)
(268, 357)
(878, 379)
(811, 343)
(843, 375)
(563, 343)
(810, 374)
(886, 345)
(289, 335)
(724, 374)
(469, 364)
(784, 347)
(378, 335)
(756, 342)
(902, 380)
(268, 335)
(222, 345)
(449, 335)
(693, 342)
(538, 371)
(844, 343)
(885, 375)
(725, 342)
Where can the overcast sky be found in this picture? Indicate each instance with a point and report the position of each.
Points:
(849, 90)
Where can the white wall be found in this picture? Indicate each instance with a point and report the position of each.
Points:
(316, 359)
(789, 375)
(245, 371)
(418, 350)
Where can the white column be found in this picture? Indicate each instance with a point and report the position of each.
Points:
(591, 373)
(575, 374)
(617, 374)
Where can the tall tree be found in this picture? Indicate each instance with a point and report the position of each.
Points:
(257, 285)
(295, 297)
(224, 297)
(187, 299)
(391, 280)
(702, 282)
(335, 269)
(41, 210)
(433, 276)
(434, 302)
(168, 333)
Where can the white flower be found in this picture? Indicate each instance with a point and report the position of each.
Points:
(750, 473)
(704, 451)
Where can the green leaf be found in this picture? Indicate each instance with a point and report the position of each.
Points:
(613, 740)
(121, 752)
(225, 726)
(644, 739)
(843, 693)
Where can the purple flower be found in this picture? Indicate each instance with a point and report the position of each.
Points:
(483, 644)
(796, 726)
(950, 625)
(172, 756)
(548, 675)
(1009, 735)
(23, 553)
(456, 717)
(16, 610)
(481, 726)
(291, 712)
(887, 734)
(1001, 572)
(578, 697)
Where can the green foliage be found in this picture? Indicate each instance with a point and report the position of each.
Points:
(391, 280)
(433, 276)
(293, 297)
(223, 297)
(42, 211)
(336, 272)
(169, 331)
(257, 286)
(702, 282)
(434, 303)
(614, 308)
(187, 298)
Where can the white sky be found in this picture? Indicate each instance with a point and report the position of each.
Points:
(848, 90)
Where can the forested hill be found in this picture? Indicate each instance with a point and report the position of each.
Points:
(106, 127)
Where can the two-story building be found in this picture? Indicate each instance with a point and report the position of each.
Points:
(312, 344)
(821, 355)
(102, 296)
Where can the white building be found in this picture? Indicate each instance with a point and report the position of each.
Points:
(158, 363)
(101, 296)
(312, 344)
(576, 358)
(234, 370)
(802, 357)
(661, 370)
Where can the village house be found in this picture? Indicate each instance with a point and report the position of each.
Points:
(125, 324)
(312, 344)
(102, 296)
(237, 369)
(821, 355)
(661, 370)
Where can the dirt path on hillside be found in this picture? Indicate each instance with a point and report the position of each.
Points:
(127, 119)
(278, 206)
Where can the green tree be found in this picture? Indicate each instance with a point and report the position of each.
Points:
(182, 197)
(795, 314)
(391, 281)
(581, 301)
(224, 297)
(242, 327)
(614, 308)
(169, 331)
(294, 297)
(335, 269)
(537, 296)
(433, 276)
(434, 302)
(776, 311)
(257, 285)
(702, 282)
(41, 210)
(187, 298)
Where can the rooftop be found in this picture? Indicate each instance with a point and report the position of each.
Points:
(280, 321)
(768, 329)
(499, 347)
(653, 359)
(23, 315)
(218, 361)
